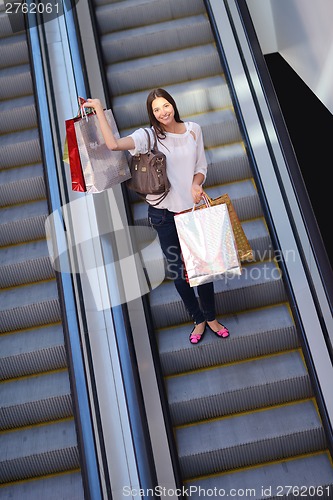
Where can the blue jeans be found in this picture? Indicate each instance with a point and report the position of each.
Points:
(162, 220)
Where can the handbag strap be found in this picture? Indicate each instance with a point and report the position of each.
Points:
(163, 195)
(149, 141)
(157, 200)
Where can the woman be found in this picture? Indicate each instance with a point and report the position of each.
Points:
(182, 143)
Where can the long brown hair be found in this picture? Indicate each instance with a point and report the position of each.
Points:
(152, 120)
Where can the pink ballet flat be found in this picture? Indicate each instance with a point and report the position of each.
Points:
(196, 337)
(223, 333)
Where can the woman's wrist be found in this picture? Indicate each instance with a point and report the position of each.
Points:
(198, 179)
(95, 104)
(99, 111)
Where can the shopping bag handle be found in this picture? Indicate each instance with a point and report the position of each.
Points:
(82, 111)
(208, 201)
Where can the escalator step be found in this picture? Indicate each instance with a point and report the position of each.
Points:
(15, 82)
(22, 223)
(10, 24)
(63, 486)
(37, 451)
(21, 184)
(156, 38)
(259, 285)
(117, 16)
(254, 333)
(34, 400)
(29, 306)
(13, 51)
(20, 148)
(236, 388)
(171, 67)
(25, 263)
(307, 477)
(17, 114)
(248, 439)
(32, 351)
(227, 164)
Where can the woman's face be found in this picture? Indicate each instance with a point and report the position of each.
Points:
(163, 111)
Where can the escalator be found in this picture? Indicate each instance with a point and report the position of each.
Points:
(39, 452)
(243, 410)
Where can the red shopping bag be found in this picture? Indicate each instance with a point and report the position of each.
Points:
(73, 155)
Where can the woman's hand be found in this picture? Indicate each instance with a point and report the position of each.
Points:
(197, 192)
(112, 142)
(93, 103)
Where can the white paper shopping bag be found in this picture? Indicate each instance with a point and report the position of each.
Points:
(208, 244)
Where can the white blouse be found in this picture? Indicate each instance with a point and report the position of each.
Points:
(185, 157)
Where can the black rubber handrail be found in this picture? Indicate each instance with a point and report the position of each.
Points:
(81, 406)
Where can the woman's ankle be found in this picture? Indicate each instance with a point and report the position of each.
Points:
(199, 327)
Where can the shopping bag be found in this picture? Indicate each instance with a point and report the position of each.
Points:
(71, 155)
(208, 244)
(102, 168)
(245, 251)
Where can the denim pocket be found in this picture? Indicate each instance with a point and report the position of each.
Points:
(156, 219)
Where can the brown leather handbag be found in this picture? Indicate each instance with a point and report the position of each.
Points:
(148, 171)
